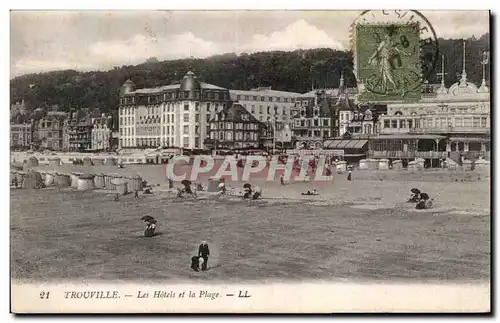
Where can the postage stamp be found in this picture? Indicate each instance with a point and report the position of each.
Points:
(395, 52)
(161, 162)
(389, 60)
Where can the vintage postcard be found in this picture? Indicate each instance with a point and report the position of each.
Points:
(250, 161)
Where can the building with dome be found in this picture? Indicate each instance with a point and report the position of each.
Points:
(448, 123)
(175, 115)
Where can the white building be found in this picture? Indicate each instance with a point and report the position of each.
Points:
(454, 121)
(267, 105)
(174, 115)
(101, 133)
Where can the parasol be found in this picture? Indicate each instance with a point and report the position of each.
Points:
(247, 185)
(186, 182)
(415, 190)
(424, 196)
(148, 218)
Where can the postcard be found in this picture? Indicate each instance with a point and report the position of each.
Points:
(250, 161)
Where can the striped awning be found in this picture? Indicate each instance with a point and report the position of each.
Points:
(344, 144)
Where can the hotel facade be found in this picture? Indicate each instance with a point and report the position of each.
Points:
(176, 115)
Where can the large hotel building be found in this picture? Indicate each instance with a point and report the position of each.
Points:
(176, 115)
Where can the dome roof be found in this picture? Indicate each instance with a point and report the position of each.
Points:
(190, 82)
(38, 113)
(127, 87)
(483, 88)
(462, 87)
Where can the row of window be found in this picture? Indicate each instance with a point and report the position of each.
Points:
(269, 109)
(441, 122)
(312, 123)
(170, 107)
(228, 135)
(237, 126)
(173, 95)
(264, 98)
(155, 142)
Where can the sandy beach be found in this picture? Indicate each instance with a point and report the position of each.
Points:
(360, 230)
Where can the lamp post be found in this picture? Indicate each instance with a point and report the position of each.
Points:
(274, 130)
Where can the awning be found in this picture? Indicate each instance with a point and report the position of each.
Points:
(468, 139)
(344, 144)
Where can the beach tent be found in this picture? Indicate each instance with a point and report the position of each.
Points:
(32, 179)
(63, 180)
(121, 185)
(110, 161)
(98, 161)
(85, 182)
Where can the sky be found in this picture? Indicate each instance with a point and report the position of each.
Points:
(99, 40)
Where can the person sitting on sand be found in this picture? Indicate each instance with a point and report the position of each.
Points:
(148, 190)
(313, 192)
(420, 205)
(222, 188)
(199, 187)
(149, 231)
(257, 194)
(430, 204)
(248, 192)
(414, 198)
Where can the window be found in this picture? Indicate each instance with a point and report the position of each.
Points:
(402, 123)
(476, 122)
(387, 124)
(237, 98)
(186, 117)
(186, 106)
(247, 98)
(316, 122)
(394, 123)
(410, 123)
(197, 117)
(325, 122)
(459, 122)
(483, 122)
(197, 106)
(208, 107)
(253, 109)
(262, 98)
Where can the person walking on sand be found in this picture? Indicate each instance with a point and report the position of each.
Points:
(282, 179)
(204, 252)
(349, 177)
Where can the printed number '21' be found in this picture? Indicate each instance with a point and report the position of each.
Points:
(44, 295)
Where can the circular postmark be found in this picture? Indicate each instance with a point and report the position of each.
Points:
(394, 52)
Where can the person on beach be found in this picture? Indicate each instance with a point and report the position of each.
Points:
(136, 194)
(204, 252)
(349, 176)
(282, 179)
(257, 193)
(117, 196)
(313, 192)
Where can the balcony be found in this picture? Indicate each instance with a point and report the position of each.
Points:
(408, 154)
(483, 130)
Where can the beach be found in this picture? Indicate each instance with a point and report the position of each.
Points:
(360, 230)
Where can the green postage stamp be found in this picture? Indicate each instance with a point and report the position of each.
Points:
(388, 61)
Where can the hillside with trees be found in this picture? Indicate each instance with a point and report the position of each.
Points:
(294, 71)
